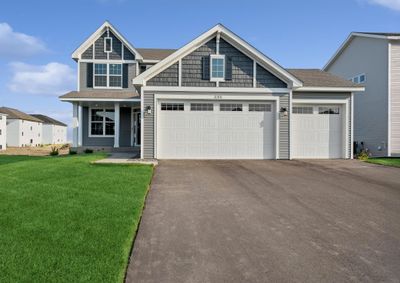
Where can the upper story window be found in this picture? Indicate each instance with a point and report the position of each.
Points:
(217, 67)
(108, 44)
(359, 79)
(107, 75)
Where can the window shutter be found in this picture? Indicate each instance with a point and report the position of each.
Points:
(125, 76)
(206, 67)
(228, 68)
(89, 75)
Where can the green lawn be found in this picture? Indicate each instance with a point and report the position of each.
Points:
(65, 220)
(395, 162)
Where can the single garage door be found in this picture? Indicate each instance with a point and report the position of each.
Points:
(318, 131)
(215, 130)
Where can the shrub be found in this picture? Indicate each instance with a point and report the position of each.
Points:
(54, 151)
(363, 155)
(65, 146)
(88, 150)
(72, 152)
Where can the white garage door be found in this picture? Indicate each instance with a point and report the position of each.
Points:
(318, 131)
(215, 130)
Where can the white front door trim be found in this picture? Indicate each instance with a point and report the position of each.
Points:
(346, 129)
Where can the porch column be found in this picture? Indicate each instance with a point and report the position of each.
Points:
(80, 124)
(75, 124)
(116, 124)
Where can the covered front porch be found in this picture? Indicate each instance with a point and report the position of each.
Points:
(107, 125)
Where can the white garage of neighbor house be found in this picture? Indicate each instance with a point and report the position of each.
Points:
(3, 131)
(22, 129)
(54, 132)
(217, 97)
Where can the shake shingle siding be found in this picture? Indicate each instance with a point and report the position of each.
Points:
(265, 79)
(284, 128)
(242, 66)
(148, 127)
(128, 55)
(168, 77)
(99, 48)
(192, 66)
(116, 53)
(88, 54)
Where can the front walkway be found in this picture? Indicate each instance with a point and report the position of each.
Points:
(269, 221)
(125, 158)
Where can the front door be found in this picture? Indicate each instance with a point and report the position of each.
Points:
(137, 131)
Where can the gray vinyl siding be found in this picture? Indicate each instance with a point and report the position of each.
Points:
(242, 66)
(192, 66)
(148, 127)
(284, 141)
(192, 70)
(99, 53)
(125, 130)
(369, 56)
(88, 54)
(395, 97)
(329, 95)
(83, 77)
(264, 78)
(168, 77)
(90, 141)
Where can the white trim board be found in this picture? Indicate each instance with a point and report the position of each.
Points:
(215, 89)
(230, 37)
(330, 89)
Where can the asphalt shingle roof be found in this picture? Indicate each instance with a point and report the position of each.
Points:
(319, 78)
(16, 114)
(101, 94)
(48, 120)
(155, 53)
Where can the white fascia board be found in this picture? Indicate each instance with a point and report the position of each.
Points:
(231, 38)
(77, 53)
(330, 89)
(101, 99)
(215, 89)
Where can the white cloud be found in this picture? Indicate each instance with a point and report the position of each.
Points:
(391, 4)
(15, 44)
(51, 79)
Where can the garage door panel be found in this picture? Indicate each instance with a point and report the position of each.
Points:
(215, 134)
(317, 135)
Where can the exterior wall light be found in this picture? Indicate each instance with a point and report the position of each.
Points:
(148, 109)
(284, 111)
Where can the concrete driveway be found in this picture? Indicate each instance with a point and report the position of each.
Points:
(269, 221)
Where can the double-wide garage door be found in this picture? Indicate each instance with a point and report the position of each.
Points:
(215, 130)
(318, 131)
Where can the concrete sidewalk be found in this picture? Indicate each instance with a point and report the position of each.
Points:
(125, 158)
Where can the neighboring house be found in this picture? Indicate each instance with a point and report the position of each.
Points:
(3, 131)
(217, 97)
(373, 59)
(54, 132)
(22, 129)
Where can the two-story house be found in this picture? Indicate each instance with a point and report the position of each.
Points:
(216, 97)
(373, 59)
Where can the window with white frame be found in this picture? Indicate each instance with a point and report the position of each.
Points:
(217, 67)
(259, 107)
(172, 107)
(359, 79)
(329, 110)
(201, 107)
(101, 122)
(107, 75)
(235, 107)
(302, 110)
(108, 44)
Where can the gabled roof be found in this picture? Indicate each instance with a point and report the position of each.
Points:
(377, 35)
(233, 39)
(48, 120)
(16, 114)
(77, 53)
(155, 53)
(319, 78)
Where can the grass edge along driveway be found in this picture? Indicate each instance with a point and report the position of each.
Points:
(387, 161)
(63, 219)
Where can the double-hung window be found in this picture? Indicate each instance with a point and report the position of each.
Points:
(108, 75)
(217, 67)
(101, 122)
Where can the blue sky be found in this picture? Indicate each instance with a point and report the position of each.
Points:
(38, 37)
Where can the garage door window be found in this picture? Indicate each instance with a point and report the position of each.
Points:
(302, 110)
(172, 107)
(201, 107)
(328, 110)
(259, 107)
(230, 107)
